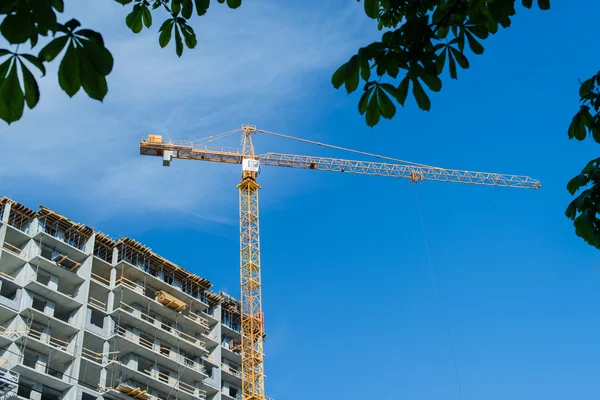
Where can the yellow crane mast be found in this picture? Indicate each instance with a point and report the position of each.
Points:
(250, 294)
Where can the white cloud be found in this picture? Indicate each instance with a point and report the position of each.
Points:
(249, 62)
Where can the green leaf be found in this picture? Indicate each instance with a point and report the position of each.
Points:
(59, 5)
(386, 107)
(373, 113)
(17, 28)
(586, 87)
(4, 67)
(452, 66)
(12, 101)
(478, 31)
(124, 2)
(441, 60)
(365, 69)
(134, 19)
(234, 3)
(187, 9)
(475, 46)
(35, 61)
(527, 3)
(72, 24)
(147, 16)
(460, 58)
(91, 35)
(400, 96)
(92, 82)
(166, 31)
(339, 77)
(577, 128)
(596, 133)
(32, 92)
(176, 7)
(68, 72)
(576, 183)
(4, 52)
(52, 49)
(420, 95)
(403, 90)
(363, 102)
(189, 36)
(352, 72)
(202, 6)
(178, 43)
(99, 56)
(433, 82)
(544, 4)
(372, 10)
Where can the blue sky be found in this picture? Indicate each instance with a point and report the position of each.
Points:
(350, 308)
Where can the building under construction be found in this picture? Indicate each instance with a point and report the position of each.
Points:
(84, 316)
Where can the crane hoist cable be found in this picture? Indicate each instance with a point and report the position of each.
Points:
(439, 294)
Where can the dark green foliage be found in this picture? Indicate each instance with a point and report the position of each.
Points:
(585, 208)
(421, 40)
(85, 61)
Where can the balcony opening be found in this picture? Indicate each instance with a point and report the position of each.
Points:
(9, 290)
(146, 340)
(163, 375)
(62, 313)
(165, 351)
(25, 389)
(43, 278)
(36, 330)
(30, 358)
(49, 393)
(166, 325)
(96, 318)
(233, 392)
(57, 369)
(87, 396)
(39, 303)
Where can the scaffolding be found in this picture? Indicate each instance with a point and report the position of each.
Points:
(62, 228)
(103, 247)
(20, 217)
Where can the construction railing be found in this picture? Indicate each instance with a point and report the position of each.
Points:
(40, 336)
(177, 384)
(170, 354)
(98, 279)
(131, 285)
(156, 323)
(231, 370)
(98, 304)
(9, 277)
(15, 250)
(100, 358)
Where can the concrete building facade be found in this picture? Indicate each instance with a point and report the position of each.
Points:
(84, 316)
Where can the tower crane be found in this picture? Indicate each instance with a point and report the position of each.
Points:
(250, 279)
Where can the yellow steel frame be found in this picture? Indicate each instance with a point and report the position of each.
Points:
(253, 378)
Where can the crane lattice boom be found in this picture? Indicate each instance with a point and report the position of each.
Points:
(250, 278)
(188, 151)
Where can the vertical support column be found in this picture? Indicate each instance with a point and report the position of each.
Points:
(3, 228)
(251, 300)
